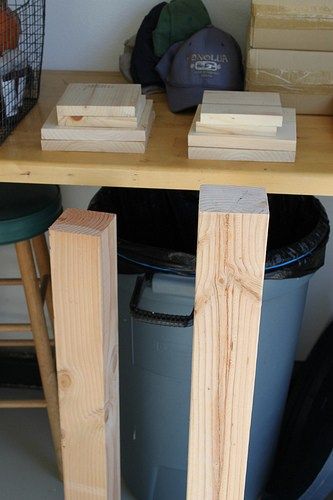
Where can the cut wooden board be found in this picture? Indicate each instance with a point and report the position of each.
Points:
(238, 114)
(94, 146)
(99, 99)
(98, 121)
(105, 121)
(285, 140)
(233, 130)
(84, 283)
(197, 153)
(52, 131)
(231, 251)
(241, 98)
(99, 146)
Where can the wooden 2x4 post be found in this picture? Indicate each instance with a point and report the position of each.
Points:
(84, 280)
(232, 238)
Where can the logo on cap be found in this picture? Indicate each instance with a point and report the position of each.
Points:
(208, 62)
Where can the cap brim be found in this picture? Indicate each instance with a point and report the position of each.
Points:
(181, 98)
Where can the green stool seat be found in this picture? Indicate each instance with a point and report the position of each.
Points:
(27, 210)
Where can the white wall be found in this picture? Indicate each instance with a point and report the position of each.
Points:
(87, 34)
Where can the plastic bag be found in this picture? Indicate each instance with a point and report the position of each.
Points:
(157, 230)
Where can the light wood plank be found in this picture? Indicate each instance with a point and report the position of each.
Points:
(105, 121)
(84, 280)
(232, 235)
(241, 98)
(94, 146)
(52, 131)
(285, 139)
(238, 114)
(253, 155)
(247, 130)
(99, 99)
(98, 121)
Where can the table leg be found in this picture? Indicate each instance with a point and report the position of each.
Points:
(84, 280)
(232, 236)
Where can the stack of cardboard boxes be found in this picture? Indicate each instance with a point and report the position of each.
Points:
(291, 52)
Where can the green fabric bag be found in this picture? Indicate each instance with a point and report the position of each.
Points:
(178, 20)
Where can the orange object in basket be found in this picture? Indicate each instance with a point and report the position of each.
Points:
(9, 30)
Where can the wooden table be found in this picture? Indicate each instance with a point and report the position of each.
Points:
(232, 224)
(165, 164)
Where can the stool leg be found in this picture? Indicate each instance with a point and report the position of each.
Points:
(41, 252)
(42, 344)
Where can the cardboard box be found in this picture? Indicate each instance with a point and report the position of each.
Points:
(292, 24)
(304, 79)
(292, 33)
(310, 8)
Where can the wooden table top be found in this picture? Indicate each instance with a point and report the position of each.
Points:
(165, 163)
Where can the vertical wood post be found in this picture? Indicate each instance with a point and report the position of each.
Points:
(232, 236)
(84, 279)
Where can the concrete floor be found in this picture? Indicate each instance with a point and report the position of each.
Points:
(27, 463)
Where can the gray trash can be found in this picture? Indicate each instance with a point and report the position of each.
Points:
(156, 292)
(156, 379)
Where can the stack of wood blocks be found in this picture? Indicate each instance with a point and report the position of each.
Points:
(99, 117)
(249, 126)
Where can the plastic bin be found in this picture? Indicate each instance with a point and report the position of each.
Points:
(157, 238)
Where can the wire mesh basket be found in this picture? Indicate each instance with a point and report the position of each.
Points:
(21, 51)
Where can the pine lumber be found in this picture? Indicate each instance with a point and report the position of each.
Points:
(99, 99)
(285, 139)
(99, 145)
(247, 130)
(241, 114)
(84, 280)
(94, 146)
(105, 121)
(256, 155)
(52, 131)
(241, 98)
(232, 236)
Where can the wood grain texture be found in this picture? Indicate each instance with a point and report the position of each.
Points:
(98, 121)
(241, 98)
(52, 131)
(247, 130)
(285, 139)
(241, 114)
(99, 99)
(232, 235)
(165, 163)
(105, 121)
(229, 154)
(94, 146)
(84, 277)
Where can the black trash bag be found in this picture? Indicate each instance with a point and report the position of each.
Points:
(157, 229)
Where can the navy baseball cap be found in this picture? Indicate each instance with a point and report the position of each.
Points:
(209, 60)
(143, 59)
